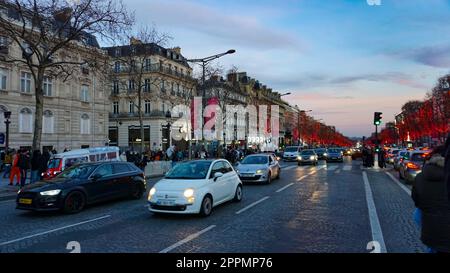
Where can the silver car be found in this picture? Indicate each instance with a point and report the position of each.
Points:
(308, 157)
(258, 168)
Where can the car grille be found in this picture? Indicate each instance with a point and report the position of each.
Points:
(256, 177)
(169, 208)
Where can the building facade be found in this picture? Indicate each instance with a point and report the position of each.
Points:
(159, 78)
(75, 110)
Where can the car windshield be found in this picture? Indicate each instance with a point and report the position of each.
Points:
(320, 150)
(307, 152)
(54, 163)
(291, 149)
(255, 160)
(418, 157)
(77, 172)
(189, 170)
(334, 150)
(394, 152)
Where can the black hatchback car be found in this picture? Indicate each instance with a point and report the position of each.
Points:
(83, 184)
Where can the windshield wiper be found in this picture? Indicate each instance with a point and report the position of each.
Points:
(182, 177)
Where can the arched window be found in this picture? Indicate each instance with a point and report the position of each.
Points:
(48, 122)
(85, 124)
(25, 120)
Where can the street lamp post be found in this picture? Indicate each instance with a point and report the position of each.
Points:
(203, 62)
(7, 116)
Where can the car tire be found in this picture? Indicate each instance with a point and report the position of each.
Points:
(74, 202)
(137, 191)
(206, 206)
(238, 194)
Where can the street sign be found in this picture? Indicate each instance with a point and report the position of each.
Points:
(2, 138)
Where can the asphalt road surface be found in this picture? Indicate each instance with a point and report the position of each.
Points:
(335, 207)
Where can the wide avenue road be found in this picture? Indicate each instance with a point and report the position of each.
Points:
(335, 207)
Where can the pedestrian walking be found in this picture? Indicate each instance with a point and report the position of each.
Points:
(24, 165)
(15, 171)
(7, 163)
(36, 162)
(430, 197)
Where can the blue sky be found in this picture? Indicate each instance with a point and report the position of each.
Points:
(343, 59)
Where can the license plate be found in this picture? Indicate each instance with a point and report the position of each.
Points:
(25, 201)
(166, 202)
(247, 175)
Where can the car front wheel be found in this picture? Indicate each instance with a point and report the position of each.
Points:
(206, 207)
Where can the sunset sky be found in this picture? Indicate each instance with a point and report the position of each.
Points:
(344, 59)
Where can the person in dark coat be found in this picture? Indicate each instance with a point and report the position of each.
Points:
(430, 196)
(381, 158)
(24, 165)
(36, 162)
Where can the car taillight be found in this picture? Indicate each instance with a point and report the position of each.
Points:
(412, 166)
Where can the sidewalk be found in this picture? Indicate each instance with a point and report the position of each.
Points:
(8, 192)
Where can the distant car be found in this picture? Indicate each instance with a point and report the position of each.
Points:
(291, 153)
(83, 184)
(391, 154)
(356, 153)
(321, 153)
(399, 158)
(195, 187)
(308, 156)
(347, 152)
(411, 165)
(335, 154)
(259, 168)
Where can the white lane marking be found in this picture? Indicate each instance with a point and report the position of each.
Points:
(408, 191)
(7, 201)
(252, 205)
(285, 187)
(332, 168)
(337, 171)
(53, 230)
(288, 168)
(303, 177)
(347, 168)
(377, 233)
(187, 239)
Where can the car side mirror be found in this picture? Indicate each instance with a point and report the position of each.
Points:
(217, 175)
(96, 177)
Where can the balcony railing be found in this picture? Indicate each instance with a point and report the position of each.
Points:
(156, 68)
(154, 113)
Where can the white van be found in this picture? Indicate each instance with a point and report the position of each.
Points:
(60, 162)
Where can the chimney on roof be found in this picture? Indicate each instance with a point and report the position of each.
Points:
(232, 77)
(134, 41)
(177, 50)
(63, 15)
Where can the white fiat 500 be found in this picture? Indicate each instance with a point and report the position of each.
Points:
(195, 187)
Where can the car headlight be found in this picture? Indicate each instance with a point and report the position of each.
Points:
(325, 154)
(151, 193)
(312, 157)
(299, 158)
(260, 171)
(188, 193)
(50, 193)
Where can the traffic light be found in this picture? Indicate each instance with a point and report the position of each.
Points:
(377, 118)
